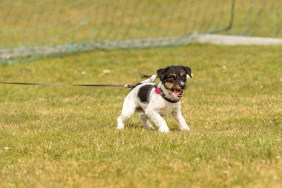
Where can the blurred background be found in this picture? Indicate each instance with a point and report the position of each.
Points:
(33, 29)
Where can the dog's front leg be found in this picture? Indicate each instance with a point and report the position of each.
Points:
(158, 120)
(182, 125)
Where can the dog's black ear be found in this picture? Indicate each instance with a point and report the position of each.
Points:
(161, 73)
(188, 71)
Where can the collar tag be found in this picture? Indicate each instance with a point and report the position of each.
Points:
(158, 90)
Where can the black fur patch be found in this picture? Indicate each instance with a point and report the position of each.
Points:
(144, 92)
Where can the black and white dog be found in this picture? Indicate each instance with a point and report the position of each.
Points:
(156, 100)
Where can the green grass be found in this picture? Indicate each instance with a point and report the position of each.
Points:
(66, 137)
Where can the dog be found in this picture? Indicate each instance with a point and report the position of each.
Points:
(157, 100)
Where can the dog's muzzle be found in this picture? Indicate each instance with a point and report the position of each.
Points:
(177, 89)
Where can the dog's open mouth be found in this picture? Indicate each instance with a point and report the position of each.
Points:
(177, 93)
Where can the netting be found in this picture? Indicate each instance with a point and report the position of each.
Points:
(33, 29)
(262, 18)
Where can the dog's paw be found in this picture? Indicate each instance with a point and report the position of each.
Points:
(120, 127)
(184, 128)
(150, 127)
(164, 129)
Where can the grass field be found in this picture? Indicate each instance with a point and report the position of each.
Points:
(66, 137)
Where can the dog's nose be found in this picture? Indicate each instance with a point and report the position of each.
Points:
(182, 84)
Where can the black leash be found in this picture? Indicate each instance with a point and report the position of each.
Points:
(81, 85)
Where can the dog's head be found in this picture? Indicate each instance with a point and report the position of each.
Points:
(174, 79)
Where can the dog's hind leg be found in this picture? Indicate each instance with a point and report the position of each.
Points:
(145, 120)
(127, 111)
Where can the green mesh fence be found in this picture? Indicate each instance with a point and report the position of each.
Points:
(33, 29)
(262, 18)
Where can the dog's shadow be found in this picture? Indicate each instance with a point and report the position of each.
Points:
(139, 126)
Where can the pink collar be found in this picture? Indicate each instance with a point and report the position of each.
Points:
(159, 92)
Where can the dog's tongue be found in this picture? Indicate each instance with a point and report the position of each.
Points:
(176, 94)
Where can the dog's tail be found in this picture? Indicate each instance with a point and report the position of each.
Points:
(149, 80)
